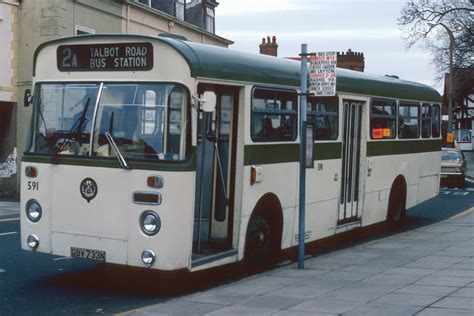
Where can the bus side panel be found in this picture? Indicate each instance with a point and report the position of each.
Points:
(384, 170)
(429, 175)
(38, 189)
(280, 179)
(322, 197)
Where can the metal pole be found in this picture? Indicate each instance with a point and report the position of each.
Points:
(302, 186)
(451, 82)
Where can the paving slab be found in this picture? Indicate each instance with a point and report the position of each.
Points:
(181, 307)
(271, 301)
(362, 295)
(373, 309)
(464, 292)
(444, 312)
(218, 298)
(427, 290)
(326, 306)
(444, 281)
(456, 302)
(408, 299)
(241, 310)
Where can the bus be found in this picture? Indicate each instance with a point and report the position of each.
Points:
(150, 151)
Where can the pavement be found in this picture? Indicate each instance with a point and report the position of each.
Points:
(426, 271)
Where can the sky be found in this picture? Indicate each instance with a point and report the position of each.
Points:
(368, 26)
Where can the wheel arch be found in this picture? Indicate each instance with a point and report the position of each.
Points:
(398, 183)
(270, 207)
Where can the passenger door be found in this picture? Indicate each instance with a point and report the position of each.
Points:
(351, 178)
(215, 183)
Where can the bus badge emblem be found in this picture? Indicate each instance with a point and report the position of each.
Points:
(88, 189)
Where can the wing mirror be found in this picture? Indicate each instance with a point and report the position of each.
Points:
(208, 101)
(27, 98)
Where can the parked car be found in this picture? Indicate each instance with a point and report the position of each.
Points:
(453, 167)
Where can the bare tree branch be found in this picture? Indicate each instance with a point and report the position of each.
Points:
(420, 21)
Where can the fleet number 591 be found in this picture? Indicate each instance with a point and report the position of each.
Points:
(33, 185)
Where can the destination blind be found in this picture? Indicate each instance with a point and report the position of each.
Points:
(105, 57)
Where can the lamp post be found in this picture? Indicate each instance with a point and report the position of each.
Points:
(450, 91)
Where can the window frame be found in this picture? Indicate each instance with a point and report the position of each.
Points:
(438, 125)
(394, 107)
(296, 112)
(428, 118)
(336, 98)
(409, 104)
(83, 29)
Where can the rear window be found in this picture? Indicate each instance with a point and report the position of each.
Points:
(451, 155)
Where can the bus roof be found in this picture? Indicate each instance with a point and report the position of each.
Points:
(207, 61)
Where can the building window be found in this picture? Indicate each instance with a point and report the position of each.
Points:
(210, 20)
(179, 9)
(274, 115)
(81, 30)
(408, 120)
(323, 114)
(383, 117)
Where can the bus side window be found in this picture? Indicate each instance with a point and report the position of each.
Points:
(435, 121)
(408, 120)
(274, 115)
(383, 118)
(323, 113)
(426, 125)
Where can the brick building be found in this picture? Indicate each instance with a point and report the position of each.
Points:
(349, 60)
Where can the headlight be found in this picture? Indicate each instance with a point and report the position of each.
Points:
(32, 241)
(148, 257)
(150, 223)
(33, 210)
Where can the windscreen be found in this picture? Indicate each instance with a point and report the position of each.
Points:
(144, 120)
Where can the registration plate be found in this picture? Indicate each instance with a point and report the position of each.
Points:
(88, 254)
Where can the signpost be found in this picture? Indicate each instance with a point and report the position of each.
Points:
(322, 73)
(322, 82)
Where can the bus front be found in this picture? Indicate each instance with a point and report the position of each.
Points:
(109, 171)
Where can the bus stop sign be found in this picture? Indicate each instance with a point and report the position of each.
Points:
(322, 73)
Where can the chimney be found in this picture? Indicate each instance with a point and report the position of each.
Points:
(269, 47)
(351, 60)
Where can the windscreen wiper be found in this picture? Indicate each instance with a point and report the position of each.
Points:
(110, 139)
(75, 129)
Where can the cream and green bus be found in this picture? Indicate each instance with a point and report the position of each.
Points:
(158, 152)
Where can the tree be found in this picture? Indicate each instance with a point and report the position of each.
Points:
(427, 21)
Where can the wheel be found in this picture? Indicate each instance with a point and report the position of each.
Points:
(396, 204)
(260, 242)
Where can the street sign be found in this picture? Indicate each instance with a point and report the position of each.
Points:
(322, 73)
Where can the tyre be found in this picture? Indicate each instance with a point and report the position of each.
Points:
(261, 246)
(396, 204)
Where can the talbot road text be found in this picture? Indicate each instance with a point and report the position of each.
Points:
(105, 57)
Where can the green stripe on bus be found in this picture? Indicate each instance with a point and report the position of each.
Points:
(398, 147)
(281, 153)
(189, 165)
(326, 151)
